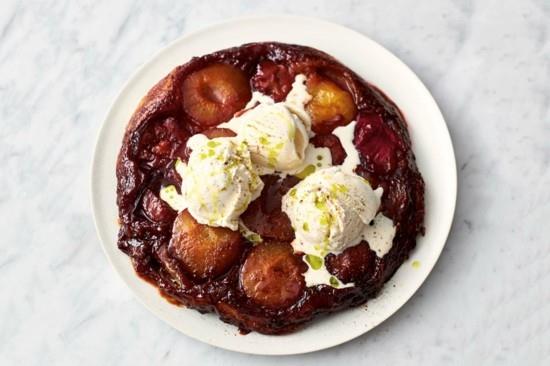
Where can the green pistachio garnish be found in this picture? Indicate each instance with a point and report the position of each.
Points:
(314, 261)
(310, 169)
(263, 140)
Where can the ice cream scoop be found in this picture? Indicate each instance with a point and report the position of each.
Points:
(276, 133)
(218, 182)
(329, 211)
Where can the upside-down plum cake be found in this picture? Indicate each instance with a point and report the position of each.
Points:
(267, 183)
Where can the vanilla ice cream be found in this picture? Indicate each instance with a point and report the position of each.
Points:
(330, 210)
(277, 133)
(218, 183)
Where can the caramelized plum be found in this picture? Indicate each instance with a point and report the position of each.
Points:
(272, 225)
(218, 132)
(156, 209)
(161, 142)
(264, 215)
(330, 106)
(204, 251)
(354, 264)
(214, 94)
(271, 275)
(333, 143)
(377, 143)
(272, 79)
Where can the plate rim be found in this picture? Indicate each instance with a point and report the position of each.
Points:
(133, 78)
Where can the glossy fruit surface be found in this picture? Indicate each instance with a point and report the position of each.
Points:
(214, 94)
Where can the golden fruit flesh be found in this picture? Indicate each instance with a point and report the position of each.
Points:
(330, 106)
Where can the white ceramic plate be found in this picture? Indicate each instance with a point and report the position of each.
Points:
(431, 143)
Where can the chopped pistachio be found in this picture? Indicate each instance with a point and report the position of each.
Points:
(310, 169)
(212, 143)
(314, 261)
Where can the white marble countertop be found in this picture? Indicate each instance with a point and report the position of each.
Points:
(487, 64)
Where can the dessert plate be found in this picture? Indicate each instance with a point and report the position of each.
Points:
(431, 144)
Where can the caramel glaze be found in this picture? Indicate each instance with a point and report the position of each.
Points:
(156, 135)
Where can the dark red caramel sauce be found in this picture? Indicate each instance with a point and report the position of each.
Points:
(259, 288)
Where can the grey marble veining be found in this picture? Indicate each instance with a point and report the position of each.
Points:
(487, 64)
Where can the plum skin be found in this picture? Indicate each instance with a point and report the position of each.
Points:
(272, 275)
(213, 94)
(205, 252)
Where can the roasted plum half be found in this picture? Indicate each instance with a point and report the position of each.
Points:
(215, 93)
(330, 106)
(264, 215)
(205, 251)
(354, 264)
(272, 79)
(272, 275)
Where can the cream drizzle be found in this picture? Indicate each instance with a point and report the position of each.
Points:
(346, 134)
(380, 234)
(322, 276)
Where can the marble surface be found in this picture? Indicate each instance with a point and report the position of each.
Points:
(487, 64)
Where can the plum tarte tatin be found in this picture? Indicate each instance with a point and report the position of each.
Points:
(261, 286)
